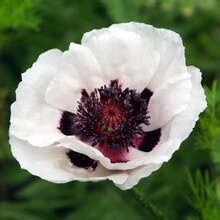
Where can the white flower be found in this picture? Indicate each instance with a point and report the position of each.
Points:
(115, 107)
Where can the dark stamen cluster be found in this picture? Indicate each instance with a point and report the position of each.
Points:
(108, 116)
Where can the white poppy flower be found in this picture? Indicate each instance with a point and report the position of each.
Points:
(114, 107)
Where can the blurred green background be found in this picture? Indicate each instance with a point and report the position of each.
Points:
(188, 187)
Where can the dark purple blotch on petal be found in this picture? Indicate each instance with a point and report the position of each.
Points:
(81, 160)
(150, 140)
(67, 123)
(146, 94)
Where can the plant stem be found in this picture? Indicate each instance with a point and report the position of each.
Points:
(147, 204)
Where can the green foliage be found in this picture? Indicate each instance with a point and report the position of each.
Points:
(3, 122)
(19, 14)
(203, 196)
(121, 10)
(29, 27)
(209, 136)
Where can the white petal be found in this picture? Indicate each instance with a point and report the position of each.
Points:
(64, 91)
(177, 130)
(169, 47)
(123, 55)
(52, 164)
(79, 69)
(138, 54)
(182, 124)
(169, 101)
(135, 175)
(161, 153)
(31, 118)
(85, 64)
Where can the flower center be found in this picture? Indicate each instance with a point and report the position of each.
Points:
(110, 118)
(112, 114)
